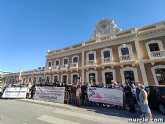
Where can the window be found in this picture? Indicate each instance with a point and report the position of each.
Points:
(55, 79)
(124, 51)
(129, 77)
(40, 79)
(106, 54)
(75, 78)
(75, 59)
(65, 61)
(108, 77)
(91, 56)
(154, 47)
(35, 80)
(30, 79)
(64, 79)
(49, 64)
(160, 74)
(48, 79)
(57, 62)
(92, 78)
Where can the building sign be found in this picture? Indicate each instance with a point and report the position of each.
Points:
(104, 95)
(15, 92)
(53, 94)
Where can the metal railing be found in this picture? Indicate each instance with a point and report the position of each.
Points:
(125, 58)
(74, 65)
(64, 66)
(55, 68)
(157, 54)
(106, 60)
(91, 62)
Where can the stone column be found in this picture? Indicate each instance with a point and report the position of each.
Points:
(82, 63)
(141, 63)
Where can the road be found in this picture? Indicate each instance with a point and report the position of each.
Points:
(17, 112)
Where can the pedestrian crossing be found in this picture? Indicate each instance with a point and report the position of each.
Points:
(76, 117)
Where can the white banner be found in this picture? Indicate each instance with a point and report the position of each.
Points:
(15, 92)
(53, 94)
(104, 95)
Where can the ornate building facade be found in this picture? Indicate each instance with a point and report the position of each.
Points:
(111, 55)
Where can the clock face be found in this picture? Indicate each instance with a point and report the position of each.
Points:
(104, 26)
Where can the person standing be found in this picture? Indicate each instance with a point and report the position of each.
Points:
(78, 95)
(73, 94)
(129, 98)
(84, 93)
(137, 85)
(144, 102)
(33, 89)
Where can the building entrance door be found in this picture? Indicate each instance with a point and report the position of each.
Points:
(64, 79)
(129, 77)
(92, 78)
(75, 78)
(108, 77)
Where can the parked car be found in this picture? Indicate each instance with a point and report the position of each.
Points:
(156, 97)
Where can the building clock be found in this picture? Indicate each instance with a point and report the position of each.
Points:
(104, 27)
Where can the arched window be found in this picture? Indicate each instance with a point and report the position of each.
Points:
(159, 74)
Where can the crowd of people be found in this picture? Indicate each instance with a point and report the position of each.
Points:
(77, 94)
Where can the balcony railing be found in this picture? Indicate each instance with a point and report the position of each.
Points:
(48, 69)
(157, 54)
(126, 58)
(90, 62)
(106, 60)
(64, 67)
(55, 68)
(74, 65)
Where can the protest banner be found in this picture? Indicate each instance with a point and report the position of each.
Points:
(53, 94)
(15, 92)
(104, 95)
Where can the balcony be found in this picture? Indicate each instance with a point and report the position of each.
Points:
(90, 63)
(64, 67)
(55, 68)
(107, 61)
(157, 56)
(48, 69)
(74, 66)
(127, 59)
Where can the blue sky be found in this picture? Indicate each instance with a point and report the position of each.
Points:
(29, 27)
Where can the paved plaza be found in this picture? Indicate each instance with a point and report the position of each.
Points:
(40, 112)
